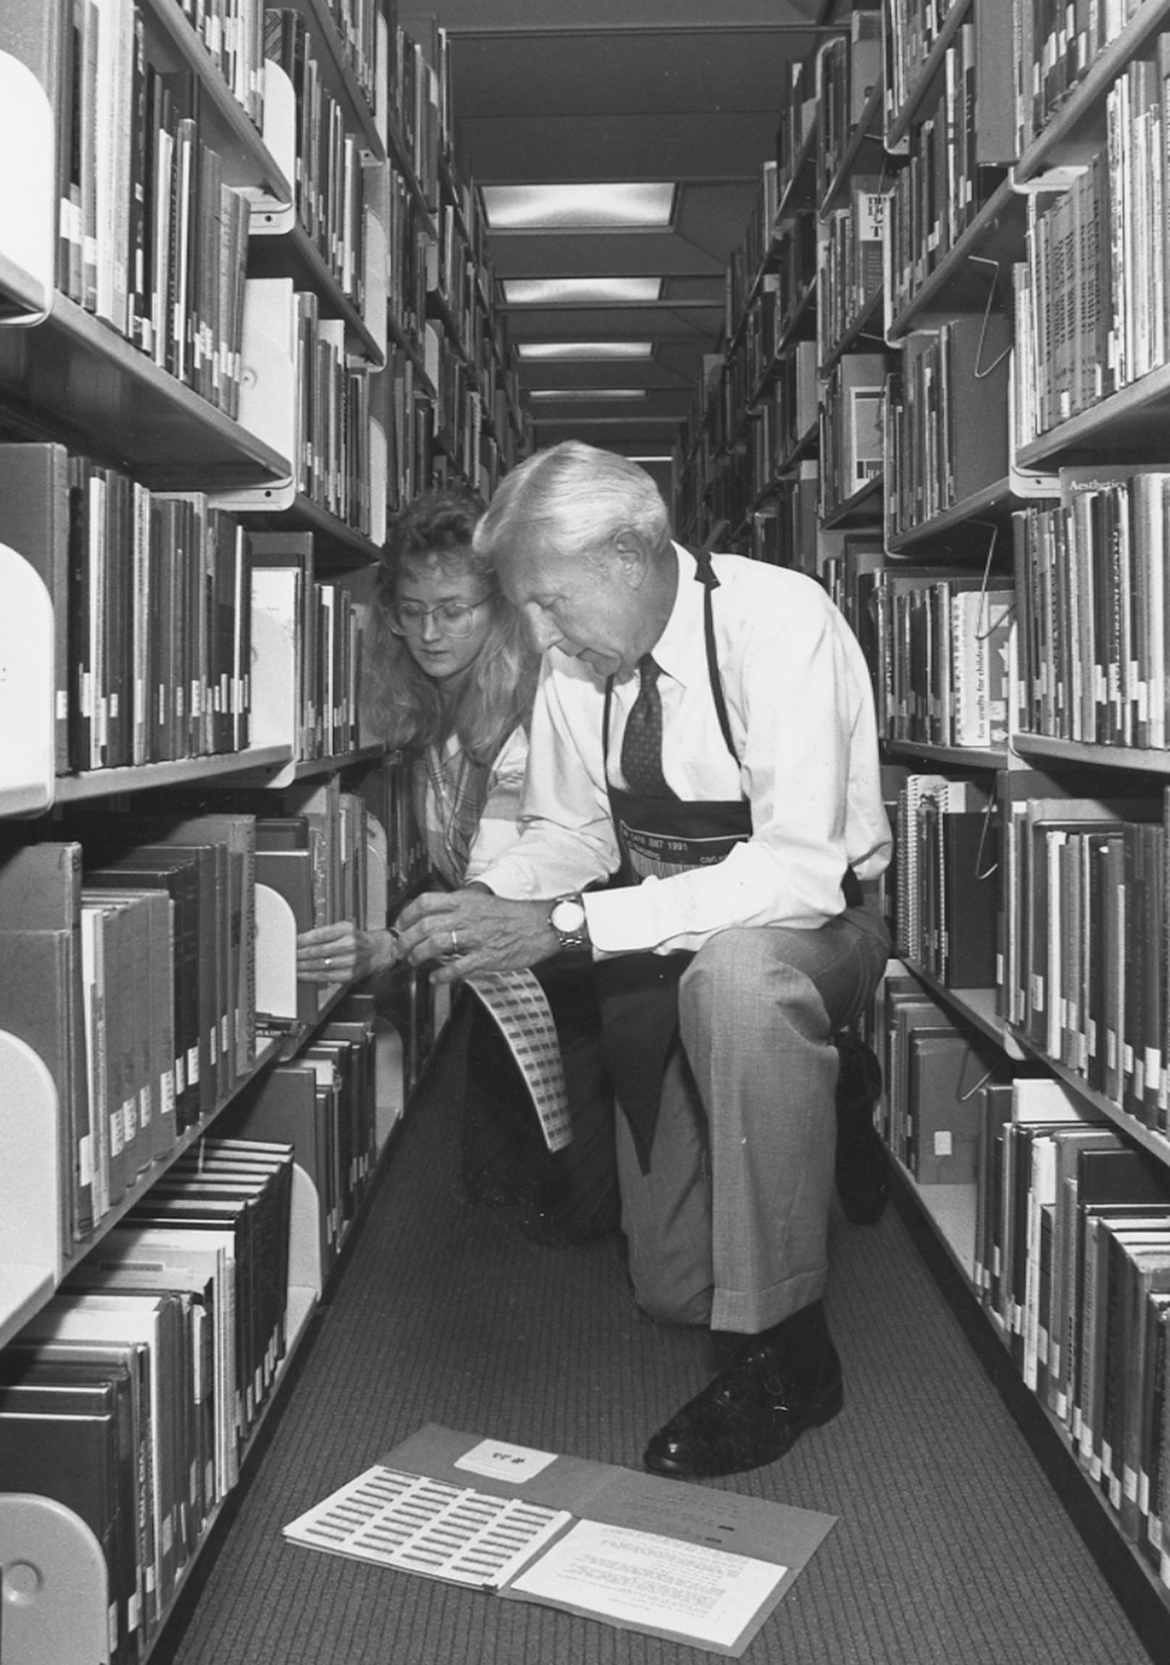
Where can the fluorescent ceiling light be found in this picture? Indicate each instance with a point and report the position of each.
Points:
(564, 351)
(581, 291)
(578, 207)
(665, 459)
(576, 394)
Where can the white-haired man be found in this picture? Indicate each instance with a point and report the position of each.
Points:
(704, 748)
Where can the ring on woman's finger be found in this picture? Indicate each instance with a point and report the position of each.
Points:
(454, 944)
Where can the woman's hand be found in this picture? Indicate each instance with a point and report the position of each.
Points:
(342, 953)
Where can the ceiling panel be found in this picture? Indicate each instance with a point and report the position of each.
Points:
(538, 16)
(634, 145)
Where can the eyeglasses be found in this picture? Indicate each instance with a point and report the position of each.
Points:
(452, 618)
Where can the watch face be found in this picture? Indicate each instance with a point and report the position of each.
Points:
(568, 916)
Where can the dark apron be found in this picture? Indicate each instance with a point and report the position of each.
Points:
(638, 993)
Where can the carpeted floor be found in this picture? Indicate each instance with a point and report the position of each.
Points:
(950, 1546)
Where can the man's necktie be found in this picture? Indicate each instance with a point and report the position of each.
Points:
(642, 741)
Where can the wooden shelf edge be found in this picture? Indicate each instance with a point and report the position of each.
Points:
(994, 498)
(101, 783)
(1080, 751)
(977, 1006)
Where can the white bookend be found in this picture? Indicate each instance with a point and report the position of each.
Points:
(28, 213)
(27, 682)
(276, 954)
(270, 216)
(269, 387)
(56, 1587)
(33, 1189)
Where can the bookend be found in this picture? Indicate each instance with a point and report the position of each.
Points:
(54, 1598)
(27, 698)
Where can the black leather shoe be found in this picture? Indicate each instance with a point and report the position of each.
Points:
(862, 1165)
(753, 1411)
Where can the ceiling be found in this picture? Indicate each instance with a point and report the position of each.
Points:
(610, 90)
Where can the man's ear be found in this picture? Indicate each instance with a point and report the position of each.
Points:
(632, 556)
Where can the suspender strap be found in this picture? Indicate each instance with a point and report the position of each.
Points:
(705, 575)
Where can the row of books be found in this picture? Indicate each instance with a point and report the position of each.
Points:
(1092, 294)
(783, 528)
(933, 1070)
(134, 980)
(941, 643)
(1084, 936)
(410, 430)
(849, 272)
(131, 1393)
(784, 425)
(912, 27)
(851, 428)
(1072, 1255)
(849, 68)
(1071, 1251)
(416, 110)
(303, 398)
(409, 243)
(130, 966)
(956, 153)
(308, 695)
(747, 260)
(356, 23)
(149, 590)
(946, 419)
(1091, 582)
(328, 183)
(1055, 50)
(233, 33)
(323, 1104)
(796, 119)
(946, 861)
(153, 237)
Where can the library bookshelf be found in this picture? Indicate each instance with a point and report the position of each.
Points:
(245, 313)
(1003, 566)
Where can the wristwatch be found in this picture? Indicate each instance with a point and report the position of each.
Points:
(567, 918)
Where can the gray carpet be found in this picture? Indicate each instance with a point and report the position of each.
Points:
(950, 1545)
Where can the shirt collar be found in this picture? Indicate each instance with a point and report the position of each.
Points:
(679, 650)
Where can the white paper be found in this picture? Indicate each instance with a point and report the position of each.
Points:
(521, 1010)
(429, 1527)
(641, 1578)
(501, 1461)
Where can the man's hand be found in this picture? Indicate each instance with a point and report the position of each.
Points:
(471, 930)
(341, 953)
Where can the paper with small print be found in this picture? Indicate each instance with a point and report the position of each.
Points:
(427, 1526)
(646, 1581)
(522, 1013)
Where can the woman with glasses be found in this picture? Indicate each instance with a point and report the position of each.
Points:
(450, 676)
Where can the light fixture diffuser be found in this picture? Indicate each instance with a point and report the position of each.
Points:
(562, 352)
(579, 394)
(634, 205)
(580, 291)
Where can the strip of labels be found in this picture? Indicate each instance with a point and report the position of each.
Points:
(430, 1527)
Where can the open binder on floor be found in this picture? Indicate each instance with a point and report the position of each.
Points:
(689, 1563)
